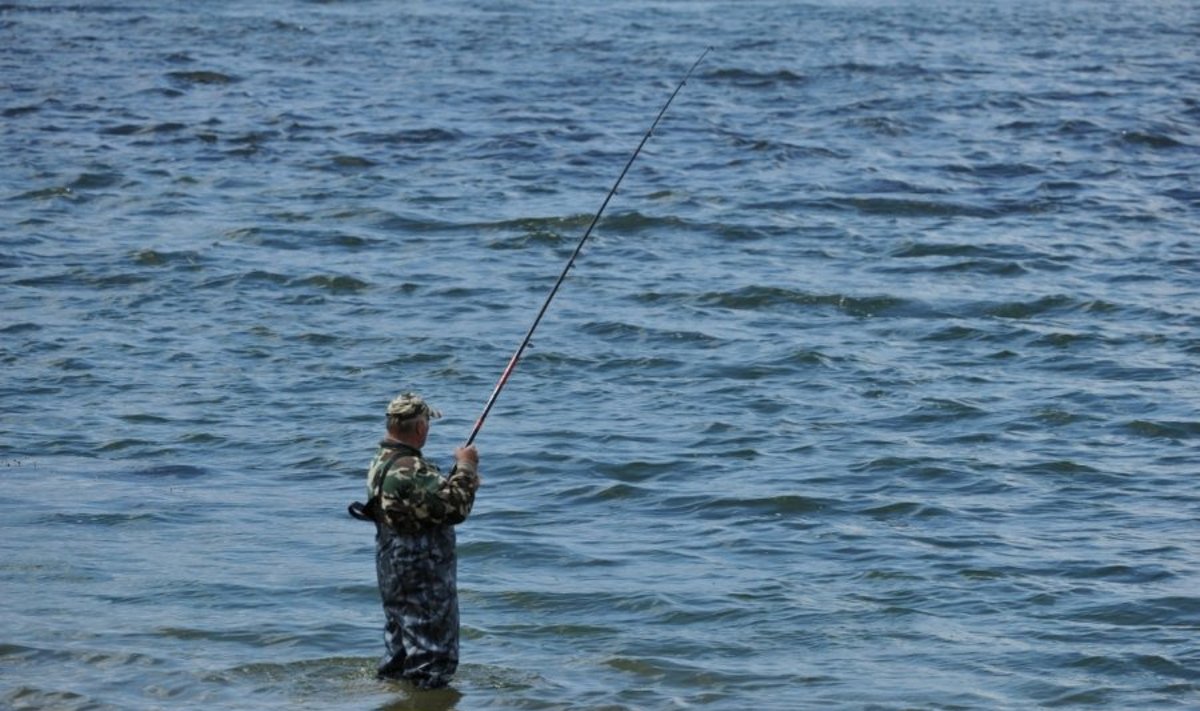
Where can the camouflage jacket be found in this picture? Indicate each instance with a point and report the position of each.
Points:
(415, 495)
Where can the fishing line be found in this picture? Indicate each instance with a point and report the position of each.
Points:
(516, 356)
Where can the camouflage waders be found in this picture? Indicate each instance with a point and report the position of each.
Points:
(417, 581)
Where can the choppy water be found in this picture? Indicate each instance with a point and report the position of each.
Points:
(876, 388)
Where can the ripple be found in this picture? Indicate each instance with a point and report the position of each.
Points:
(1178, 430)
(202, 77)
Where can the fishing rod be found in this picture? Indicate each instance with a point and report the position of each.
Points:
(516, 356)
(367, 511)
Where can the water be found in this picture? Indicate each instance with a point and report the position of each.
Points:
(876, 388)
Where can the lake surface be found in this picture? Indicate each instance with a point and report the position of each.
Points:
(878, 385)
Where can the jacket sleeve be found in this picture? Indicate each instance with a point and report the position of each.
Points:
(458, 492)
(418, 496)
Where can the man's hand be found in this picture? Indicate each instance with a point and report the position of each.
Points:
(468, 457)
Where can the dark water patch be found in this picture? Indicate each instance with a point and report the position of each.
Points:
(336, 284)
(95, 181)
(415, 136)
(634, 471)
(1079, 127)
(1058, 417)
(1151, 139)
(17, 111)
(524, 146)
(619, 332)
(1064, 340)
(157, 258)
(753, 298)
(888, 127)
(900, 207)
(122, 444)
(904, 510)
(807, 357)
(1130, 574)
(1123, 664)
(938, 410)
(529, 237)
(202, 77)
(640, 364)
(253, 139)
(350, 162)
(133, 129)
(780, 149)
(541, 226)
(734, 232)
(33, 696)
(18, 651)
(897, 69)
(170, 471)
(995, 170)
(1188, 197)
(1118, 371)
(1024, 310)
(259, 637)
(56, 192)
(16, 328)
(117, 281)
(635, 222)
(105, 520)
(918, 250)
(959, 541)
(860, 186)
(1089, 698)
(125, 129)
(166, 127)
(950, 334)
(993, 267)
(1060, 467)
(701, 679)
(250, 278)
(73, 364)
(145, 419)
(723, 507)
(751, 79)
(1022, 125)
(1164, 429)
(876, 574)
(919, 468)
(196, 592)
(316, 339)
(602, 494)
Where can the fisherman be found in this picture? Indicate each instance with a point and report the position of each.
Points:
(416, 509)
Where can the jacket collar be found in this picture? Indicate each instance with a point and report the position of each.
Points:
(389, 443)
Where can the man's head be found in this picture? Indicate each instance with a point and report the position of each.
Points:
(408, 418)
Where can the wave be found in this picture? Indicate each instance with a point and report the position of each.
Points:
(202, 77)
(751, 79)
(403, 137)
(774, 297)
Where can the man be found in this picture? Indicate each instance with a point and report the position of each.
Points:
(416, 509)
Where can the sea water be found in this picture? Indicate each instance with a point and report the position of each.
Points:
(877, 386)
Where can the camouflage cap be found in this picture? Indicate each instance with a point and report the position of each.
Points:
(406, 405)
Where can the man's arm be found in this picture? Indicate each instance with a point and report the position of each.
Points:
(458, 491)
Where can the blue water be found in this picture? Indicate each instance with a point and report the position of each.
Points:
(876, 387)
